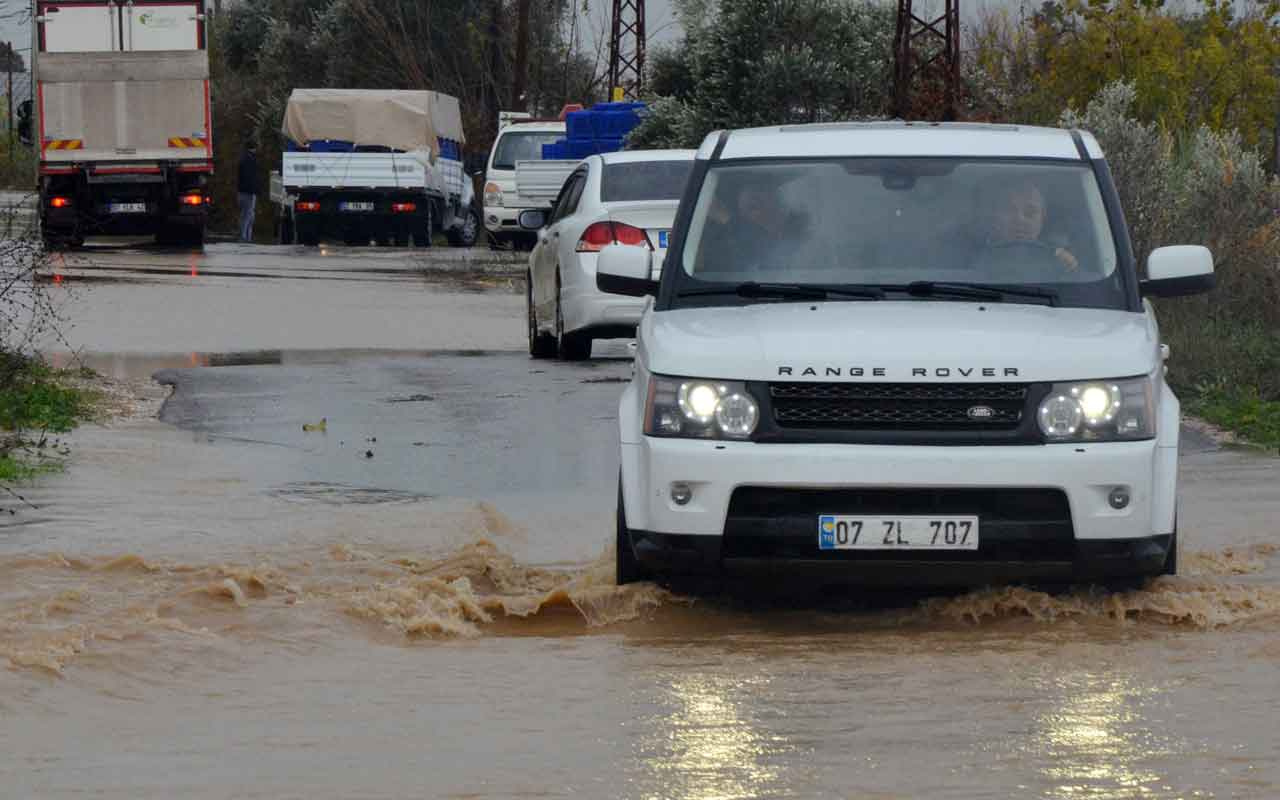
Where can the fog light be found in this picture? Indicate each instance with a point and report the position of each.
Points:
(681, 493)
(1119, 498)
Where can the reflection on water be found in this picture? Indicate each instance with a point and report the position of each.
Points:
(707, 747)
(1095, 742)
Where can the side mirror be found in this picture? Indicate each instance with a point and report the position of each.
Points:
(1178, 271)
(624, 269)
(532, 219)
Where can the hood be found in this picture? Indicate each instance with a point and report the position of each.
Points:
(893, 341)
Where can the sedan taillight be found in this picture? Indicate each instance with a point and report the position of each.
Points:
(600, 235)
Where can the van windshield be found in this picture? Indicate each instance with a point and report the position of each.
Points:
(891, 222)
(513, 147)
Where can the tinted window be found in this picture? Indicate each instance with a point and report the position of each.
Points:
(513, 147)
(644, 180)
(895, 221)
(569, 196)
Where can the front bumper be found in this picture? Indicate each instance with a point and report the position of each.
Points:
(1043, 510)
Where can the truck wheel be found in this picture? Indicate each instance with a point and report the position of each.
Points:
(355, 239)
(308, 238)
(422, 238)
(627, 567)
(287, 232)
(465, 235)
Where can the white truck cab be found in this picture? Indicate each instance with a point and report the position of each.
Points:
(519, 139)
(900, 354)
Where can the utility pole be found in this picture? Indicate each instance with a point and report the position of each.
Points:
(9, 95)
(626, 50)
(518, 102)
(927, 50)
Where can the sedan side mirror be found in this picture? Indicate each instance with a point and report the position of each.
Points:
(625, 269)
(534, 219)
(1178, 271)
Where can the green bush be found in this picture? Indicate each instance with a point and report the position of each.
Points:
(1202, 187)
(17, 165)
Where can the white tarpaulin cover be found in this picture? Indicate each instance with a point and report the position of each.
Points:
(400, 119)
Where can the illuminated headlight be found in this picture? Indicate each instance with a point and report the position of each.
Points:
(1098, 411)
(700, 409)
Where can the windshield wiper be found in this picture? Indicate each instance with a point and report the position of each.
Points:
(973, 291)
(796, 291)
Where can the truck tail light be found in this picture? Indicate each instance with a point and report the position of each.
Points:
(193, 199)
(404, 208)
(307, 205)
(602, 234)
(60, 202)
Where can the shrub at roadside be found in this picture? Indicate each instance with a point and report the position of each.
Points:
(1205, 187)
(35, 403)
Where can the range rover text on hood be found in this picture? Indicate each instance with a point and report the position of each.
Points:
(885, 372)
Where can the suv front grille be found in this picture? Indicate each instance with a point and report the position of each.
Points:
(916, 406)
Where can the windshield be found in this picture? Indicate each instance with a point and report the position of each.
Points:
(644, 180)
(897, 221)
(513, 147)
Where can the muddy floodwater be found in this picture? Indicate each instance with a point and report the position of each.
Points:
(416, 600)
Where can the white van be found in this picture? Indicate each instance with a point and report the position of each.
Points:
(896, 353)
(518, 140)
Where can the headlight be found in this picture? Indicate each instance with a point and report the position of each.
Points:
(1098, 411)
(692, 408)
(493, 195)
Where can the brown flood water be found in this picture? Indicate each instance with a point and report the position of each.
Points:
(357, 671)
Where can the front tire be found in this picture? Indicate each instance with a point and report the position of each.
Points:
(1171, 561)
(468, 232)
(627, 568)
(541, 345)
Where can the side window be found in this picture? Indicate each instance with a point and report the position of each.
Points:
(570, 196)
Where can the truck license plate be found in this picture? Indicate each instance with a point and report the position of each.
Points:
(356, 206)
(127, 208)
(838, 532)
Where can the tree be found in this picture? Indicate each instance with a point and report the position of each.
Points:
(770, 62)
(11, 59)
(1205, 66)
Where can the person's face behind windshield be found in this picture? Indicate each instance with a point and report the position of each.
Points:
(760, 207)
(1019, 215)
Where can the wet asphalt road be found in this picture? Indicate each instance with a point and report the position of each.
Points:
(218, 603)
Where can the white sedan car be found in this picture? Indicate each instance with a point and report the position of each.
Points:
(627, 198)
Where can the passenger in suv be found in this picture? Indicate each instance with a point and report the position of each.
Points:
(880, 405)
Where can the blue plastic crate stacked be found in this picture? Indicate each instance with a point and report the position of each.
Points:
(603, 128)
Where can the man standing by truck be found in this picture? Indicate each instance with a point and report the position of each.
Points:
(247, 186)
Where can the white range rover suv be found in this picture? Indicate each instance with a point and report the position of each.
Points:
(900, 354)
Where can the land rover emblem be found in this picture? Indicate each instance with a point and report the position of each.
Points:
(981, 412)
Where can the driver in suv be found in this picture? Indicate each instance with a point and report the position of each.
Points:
(1012, 214)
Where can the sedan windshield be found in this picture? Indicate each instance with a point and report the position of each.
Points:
(1038, 228)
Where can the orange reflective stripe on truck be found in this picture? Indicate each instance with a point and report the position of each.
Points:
(186, 141)
(64, 144)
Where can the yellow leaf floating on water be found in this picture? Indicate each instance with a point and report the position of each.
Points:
(321, 426)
